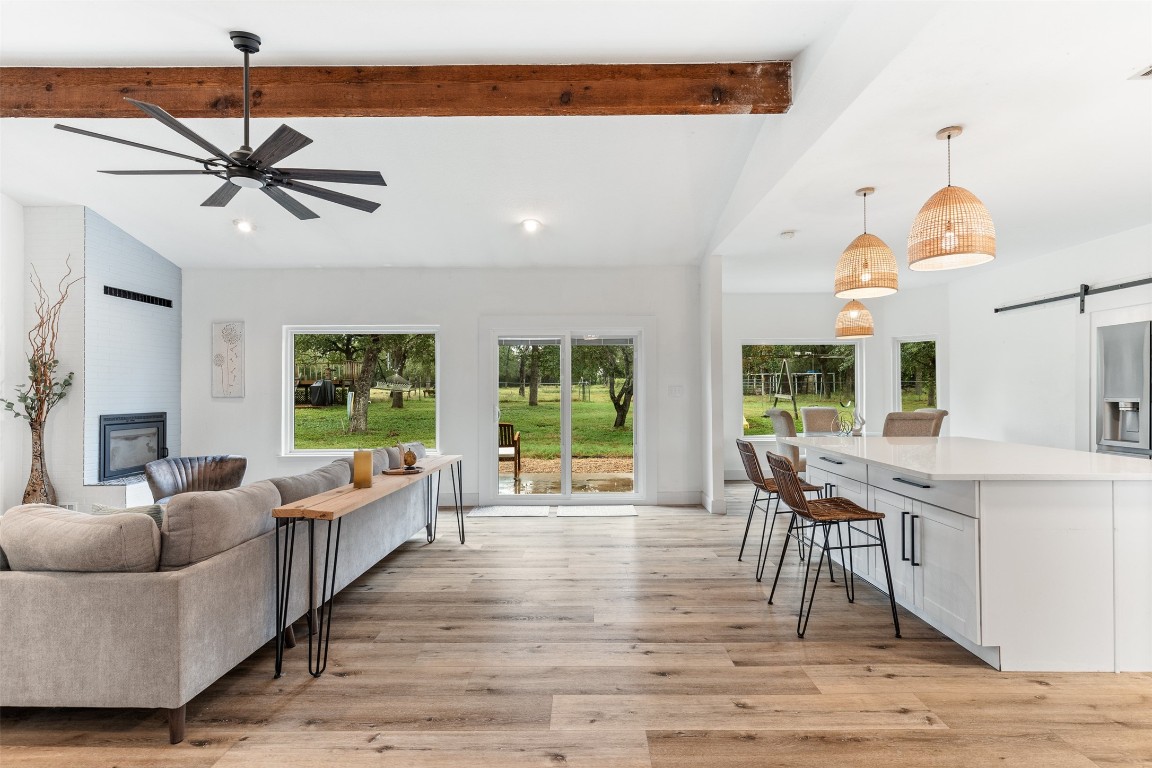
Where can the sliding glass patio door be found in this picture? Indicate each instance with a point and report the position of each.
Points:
(565, 415)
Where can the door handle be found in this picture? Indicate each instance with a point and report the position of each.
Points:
(913, 529)
(910, 482)
(903, 551)
(830, 461)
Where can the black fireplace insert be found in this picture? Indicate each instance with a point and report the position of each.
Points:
(128, 441)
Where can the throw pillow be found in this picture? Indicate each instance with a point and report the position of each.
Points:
(154, 511)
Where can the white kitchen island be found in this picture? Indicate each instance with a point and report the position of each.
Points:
(1032, 558)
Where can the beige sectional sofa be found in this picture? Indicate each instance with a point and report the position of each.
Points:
(108, 611)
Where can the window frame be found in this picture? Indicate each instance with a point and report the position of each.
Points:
(288, 380)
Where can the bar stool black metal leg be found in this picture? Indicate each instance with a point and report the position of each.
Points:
(845, 572)
(802, 618)
(780, 564)
(430, 509)
(748, 525)
(283, 585)
(888, 575)
(318, 661)
(762, 557)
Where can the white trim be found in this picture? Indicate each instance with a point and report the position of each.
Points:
(288, 380)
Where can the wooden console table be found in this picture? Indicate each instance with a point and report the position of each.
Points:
(331, 506)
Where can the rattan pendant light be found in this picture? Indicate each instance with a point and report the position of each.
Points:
(854, 321)
(953, 229)
(867, 268)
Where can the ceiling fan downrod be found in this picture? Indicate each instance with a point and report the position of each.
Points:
(247, 43)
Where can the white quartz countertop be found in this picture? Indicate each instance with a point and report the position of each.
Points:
(967, 458)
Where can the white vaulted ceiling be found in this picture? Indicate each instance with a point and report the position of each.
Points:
(1056, 136)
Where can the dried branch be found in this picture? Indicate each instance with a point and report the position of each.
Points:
(44, 390)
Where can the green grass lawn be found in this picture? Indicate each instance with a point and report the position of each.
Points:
(328, 427)
(592, 433)
(759, 424)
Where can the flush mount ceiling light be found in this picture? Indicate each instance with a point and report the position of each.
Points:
(953, 229)
(243, 225)
(788, 234)
(530, 225)
(854, 321)
(867, 268)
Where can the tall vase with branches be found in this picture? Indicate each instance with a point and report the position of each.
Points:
(45, 387)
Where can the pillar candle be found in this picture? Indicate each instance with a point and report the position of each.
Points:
(362, 469)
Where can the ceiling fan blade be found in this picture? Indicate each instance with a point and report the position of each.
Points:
(83, 132)
(324, 174)
(159, 173)
(154, 111)
(358, 203)
(293, 207)
(283, 142)
(222, 196)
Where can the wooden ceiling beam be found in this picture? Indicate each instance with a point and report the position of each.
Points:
(417, 91)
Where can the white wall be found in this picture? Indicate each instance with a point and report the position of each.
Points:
(14, 440)
(131, 349)
(712, 381)
(1024, 376)
(455, 300)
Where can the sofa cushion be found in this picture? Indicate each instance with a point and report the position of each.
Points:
(201, 524)
(390, 457)
(295, 487)
(42, 537)
(154, 511)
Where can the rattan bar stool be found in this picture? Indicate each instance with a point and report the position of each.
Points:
(767, 486)
(823, 514)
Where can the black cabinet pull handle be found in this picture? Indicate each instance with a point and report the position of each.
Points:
(903, 551)
(913, 527)
(910, 482)
(830, 461)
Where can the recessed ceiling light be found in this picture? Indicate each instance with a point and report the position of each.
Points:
(244, 226)
(530, 225)
(788, 234)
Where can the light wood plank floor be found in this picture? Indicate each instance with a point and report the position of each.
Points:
(635, 642)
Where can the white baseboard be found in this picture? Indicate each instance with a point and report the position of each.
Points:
(679, 498)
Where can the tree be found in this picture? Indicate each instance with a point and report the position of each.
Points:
(371, 347)
(534, 375)
(918, 362)
(408, 349)
(611, 364)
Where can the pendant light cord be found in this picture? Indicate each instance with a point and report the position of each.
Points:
(949, 159)
(865, 213)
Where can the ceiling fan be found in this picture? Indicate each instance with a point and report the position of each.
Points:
(252, 168)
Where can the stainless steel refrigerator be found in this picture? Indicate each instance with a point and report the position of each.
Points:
(1124, 389)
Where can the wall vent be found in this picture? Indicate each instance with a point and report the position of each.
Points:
(1145, 73)
(121, 293)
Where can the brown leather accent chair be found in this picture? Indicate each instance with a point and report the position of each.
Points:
(168, 477)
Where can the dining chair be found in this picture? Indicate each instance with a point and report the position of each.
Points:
(911, 424)
(940, 413)
(820, 418)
